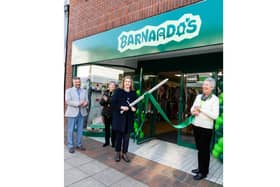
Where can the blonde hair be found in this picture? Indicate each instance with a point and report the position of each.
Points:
(130, 78)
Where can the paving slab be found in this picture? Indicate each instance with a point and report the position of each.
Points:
(73, 175)
(67, 166)
(78, 160)
(92, 167)
(88, 182)
(109, 176)
(129, 182)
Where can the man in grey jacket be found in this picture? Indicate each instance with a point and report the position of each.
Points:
(76, 100)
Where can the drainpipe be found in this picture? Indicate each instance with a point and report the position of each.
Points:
(66, 23)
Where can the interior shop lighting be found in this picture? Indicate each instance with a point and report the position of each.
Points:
(179, 75)
(149, 76)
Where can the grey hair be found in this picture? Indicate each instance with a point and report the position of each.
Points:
(112, 82)
(211, 81)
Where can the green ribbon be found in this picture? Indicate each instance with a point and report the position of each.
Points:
(149, 96)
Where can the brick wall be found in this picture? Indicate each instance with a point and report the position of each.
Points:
(88, 17)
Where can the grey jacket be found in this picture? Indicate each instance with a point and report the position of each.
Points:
(72, 100)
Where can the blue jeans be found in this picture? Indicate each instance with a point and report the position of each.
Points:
(77, 121)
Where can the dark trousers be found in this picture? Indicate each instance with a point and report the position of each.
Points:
(122, 141)
(202, 140)
(108, 134)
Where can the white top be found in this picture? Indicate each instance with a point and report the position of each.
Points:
(209, 111)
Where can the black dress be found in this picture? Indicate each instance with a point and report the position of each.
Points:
(122, 123)
(107, 117)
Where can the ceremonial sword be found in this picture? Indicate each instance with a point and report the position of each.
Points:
(149, 91)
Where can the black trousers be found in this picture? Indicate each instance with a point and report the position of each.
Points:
(122, 141)
(108, 134)
(202, 140)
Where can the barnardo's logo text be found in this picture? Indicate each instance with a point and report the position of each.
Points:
(187, 27)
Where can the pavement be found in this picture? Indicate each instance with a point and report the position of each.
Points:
(96, 167)
(174, 156)
(83, 171)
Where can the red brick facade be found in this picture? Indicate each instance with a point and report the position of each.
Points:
(88, 17)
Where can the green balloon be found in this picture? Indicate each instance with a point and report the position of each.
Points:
(221, 98)
(137, 112)
(138, 92)
(135, 125)
(221, 101)
(215, 154)
(141, 134)
(222, 119)
(219, 120)
(218, 148)
(221, 141)
(221, 128)
(217, 126)
(217, 123)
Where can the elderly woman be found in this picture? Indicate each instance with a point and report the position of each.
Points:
(206, 110)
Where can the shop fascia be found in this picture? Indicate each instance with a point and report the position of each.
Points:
(187, 27)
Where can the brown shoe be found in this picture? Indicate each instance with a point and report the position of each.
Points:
(125, 157)
(118, 157)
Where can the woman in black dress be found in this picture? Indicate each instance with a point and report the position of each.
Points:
(123, 117)
(107, 114)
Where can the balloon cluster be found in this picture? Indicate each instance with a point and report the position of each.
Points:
(217, 151)
(136, 121)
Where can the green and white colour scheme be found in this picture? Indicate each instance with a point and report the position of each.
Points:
(196, 25)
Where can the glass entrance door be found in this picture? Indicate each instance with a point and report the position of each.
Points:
(148, 116)
(168, 97)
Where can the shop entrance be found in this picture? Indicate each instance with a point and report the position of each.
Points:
(176, 97)
(168, 97)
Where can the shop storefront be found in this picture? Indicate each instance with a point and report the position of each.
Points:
(184, 45)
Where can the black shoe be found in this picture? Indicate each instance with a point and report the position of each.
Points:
(104, 145)
(195, 171)
(72, 150)
(199, 176)
(113, 145)
(81, 148)
(125, 157)
(117, 157)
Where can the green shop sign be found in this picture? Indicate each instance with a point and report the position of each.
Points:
(196, 25)
(186, 27)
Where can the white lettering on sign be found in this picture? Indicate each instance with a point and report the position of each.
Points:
(187, 27)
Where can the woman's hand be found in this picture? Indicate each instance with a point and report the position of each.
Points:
(197, 108)
(124, 108)
(133, 109)
(105, 97)
(196, 111)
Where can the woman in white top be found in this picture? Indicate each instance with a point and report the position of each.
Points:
(206, 110)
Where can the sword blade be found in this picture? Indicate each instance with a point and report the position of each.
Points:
(149, 91)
